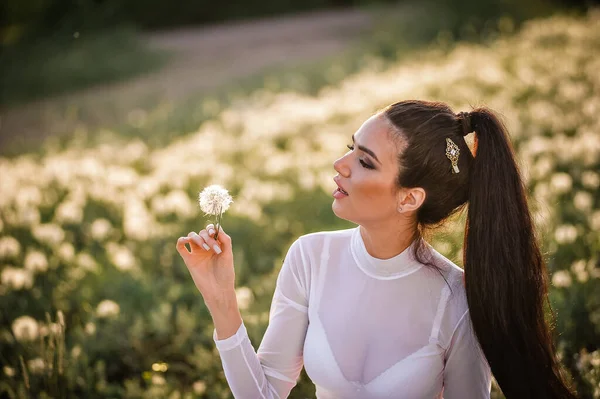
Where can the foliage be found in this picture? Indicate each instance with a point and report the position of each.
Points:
(90, 230)
(55, 65)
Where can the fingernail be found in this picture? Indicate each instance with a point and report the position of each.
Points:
(211, 231)
(217, 249)
(205, 246)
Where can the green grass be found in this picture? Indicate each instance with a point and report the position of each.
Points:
(53, 66)
(105, 218)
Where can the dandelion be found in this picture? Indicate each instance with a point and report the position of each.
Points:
(36, 261)
(36, 366)
(86, 261)
(590, 179)
(16, 278)
(25, 328)
(50, 234)
(583, 201)
(90, 328)
(100, 229)
(214, 200)
(66, 251)
(561, 278)
(160, 367)
(561, 183)
(565, 234)
(244, 297)
(199, 387)
(107, 308)
(9, 247)
(76, 352)
(158, 379)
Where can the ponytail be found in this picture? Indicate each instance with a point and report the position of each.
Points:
(505, 276)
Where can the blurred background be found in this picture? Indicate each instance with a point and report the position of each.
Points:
(115, 114)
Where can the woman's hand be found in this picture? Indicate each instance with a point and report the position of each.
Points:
(210, 263)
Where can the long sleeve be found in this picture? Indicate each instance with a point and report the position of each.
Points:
(467, 374)
(273, 370)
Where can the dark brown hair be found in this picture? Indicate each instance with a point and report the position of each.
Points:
(505, 275)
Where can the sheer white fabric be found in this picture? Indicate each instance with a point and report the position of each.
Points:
(362, 327)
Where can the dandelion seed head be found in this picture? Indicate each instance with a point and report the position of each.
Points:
(25, 328)
(107, 308)
(561, 278)
(36, 366)
(214, 200)
(199, 387)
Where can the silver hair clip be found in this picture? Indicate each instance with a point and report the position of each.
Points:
(452, 152)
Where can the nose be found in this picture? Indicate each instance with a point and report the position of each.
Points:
(341, 166)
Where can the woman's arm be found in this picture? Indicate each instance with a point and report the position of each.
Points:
(467, 374)
(273, 371)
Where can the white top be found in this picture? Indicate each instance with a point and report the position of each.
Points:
(362, 327)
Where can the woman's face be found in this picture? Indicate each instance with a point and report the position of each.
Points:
(367, 173)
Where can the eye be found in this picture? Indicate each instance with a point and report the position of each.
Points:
(363, 163)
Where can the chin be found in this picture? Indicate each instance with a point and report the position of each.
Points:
(339, 212)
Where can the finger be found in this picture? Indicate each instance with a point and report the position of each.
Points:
(223, 238)
(198, 242)
(211, 242)
(211, 229)
(182, 249)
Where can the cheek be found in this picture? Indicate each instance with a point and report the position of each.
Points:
(373, 191)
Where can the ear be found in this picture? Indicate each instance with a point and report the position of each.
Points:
(412, 199)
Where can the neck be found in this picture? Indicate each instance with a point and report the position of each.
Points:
(384, 241)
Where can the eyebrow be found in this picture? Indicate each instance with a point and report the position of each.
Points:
(365, 149)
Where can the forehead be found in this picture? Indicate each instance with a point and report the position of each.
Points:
(376, 134)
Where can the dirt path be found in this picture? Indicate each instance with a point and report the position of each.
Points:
(204, 58)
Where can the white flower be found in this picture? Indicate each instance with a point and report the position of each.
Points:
(25, 328)
(16, 278)
(244, 297)
(595, 220)
(49, 233)
(583, 201)
(214, 200)
(36, 261)
(69, 212)
(565, 234)
(9, 247)
(158, 379)
(66, 251)
(121, 256)
(107, 308)
(90, 328)
(561, 278)
(561, 183)
(86, 261)
(100, 229)
(76, 352)
(199, 387)
(590, 179)
(36, 366)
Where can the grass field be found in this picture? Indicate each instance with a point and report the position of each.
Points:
(89, 222)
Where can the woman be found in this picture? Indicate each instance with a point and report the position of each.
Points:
(375, 311)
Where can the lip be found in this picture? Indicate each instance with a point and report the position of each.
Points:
(336, 180)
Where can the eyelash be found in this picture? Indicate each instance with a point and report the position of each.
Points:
(363, 163)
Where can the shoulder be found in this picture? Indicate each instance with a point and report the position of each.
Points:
(317, 241)
(449, 269)
(308, 248)
(456, 307)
